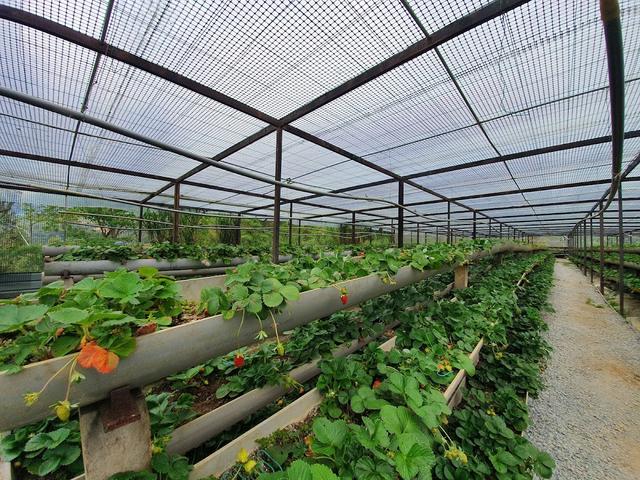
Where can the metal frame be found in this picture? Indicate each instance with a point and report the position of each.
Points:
(430, 42)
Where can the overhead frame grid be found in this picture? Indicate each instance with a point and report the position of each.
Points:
(473, 118)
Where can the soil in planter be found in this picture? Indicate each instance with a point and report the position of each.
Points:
(220, 440)
(189, 314)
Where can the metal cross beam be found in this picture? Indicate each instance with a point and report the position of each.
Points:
(510, 192)
(545, 214)
(487, 161)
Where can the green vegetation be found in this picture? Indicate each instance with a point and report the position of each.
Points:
(366, 395)
(385, 413)
(631, 278)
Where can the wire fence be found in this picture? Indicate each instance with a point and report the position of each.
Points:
(29, 220)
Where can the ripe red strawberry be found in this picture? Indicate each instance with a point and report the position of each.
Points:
(376, 383)
(344, 299)
(238, 361)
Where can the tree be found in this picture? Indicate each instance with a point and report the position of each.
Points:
(32, 215)
(110, 221)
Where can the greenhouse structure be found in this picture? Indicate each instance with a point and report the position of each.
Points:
(319, 239)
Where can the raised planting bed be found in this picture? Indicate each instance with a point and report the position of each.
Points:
(168, 351)
(326, 445)
(631, 280)
(206, 426)
(634, 250)
(197, 431)
(210, 424)
(224, 458)
(610, 261)
(179, 267)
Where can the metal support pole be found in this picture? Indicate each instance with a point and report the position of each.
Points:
(437, 234)
(353, 228)
(591, 247)
(579, 245)
(393, 231)
(584, 245)
(601, 249)
(176, 215)
(449, 236)
(620, 251)
(579, 252)
(290, 223)
(473, 235)
(400, 214)
(500, 231)
(140, 217)
(275, 245)
(489, 227)
(299, 232)
(418, 234)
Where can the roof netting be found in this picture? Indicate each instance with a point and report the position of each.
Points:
(463, 119)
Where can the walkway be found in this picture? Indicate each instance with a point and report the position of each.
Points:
(588, 417)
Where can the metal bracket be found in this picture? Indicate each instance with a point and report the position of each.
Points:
(120, 409)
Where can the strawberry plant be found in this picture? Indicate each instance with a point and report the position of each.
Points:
(113, 252)
(44, 448)
(51, 448)
(477, 441)
(98, 318)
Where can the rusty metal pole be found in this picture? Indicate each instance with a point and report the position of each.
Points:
(400, 214)
(176, 215)
(275, 240)
(353, 228)
(620, 251)
(591, 247)
(584, 244)
(474, 233)
(140, 217)
(290, 223)
(449, 237)
(601, 219)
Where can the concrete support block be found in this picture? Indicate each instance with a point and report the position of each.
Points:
(108, 445)
(461, 274)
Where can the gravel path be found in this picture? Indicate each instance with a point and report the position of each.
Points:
(588, 417)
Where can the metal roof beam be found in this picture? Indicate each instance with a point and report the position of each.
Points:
(507, 192)
(488, 161)
(547, 214)
(454, 29)
(99, 46)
